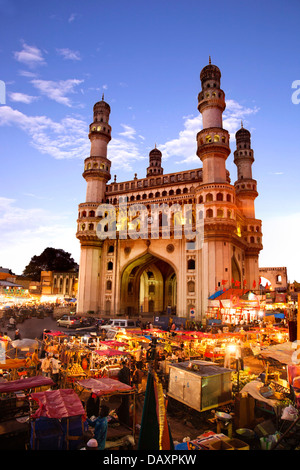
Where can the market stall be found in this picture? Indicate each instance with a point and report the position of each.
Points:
(58, 421)
(15, 408)
(111, 391)
(107, 362)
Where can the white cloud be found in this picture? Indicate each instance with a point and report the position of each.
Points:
(69, 54)
(57, 91)
(64, 139)
(124, 154)
(128, 132)
(27, 232)
(185, 146)
(22, 98)
(68, 138)
(30, 56)
(26, 73)
(72, 17)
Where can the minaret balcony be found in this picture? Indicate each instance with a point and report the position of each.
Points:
(97, 173)
(246, 188)
(213, 135)
(212, 99)
(88, 237)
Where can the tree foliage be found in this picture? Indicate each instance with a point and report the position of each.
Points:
(52, 259)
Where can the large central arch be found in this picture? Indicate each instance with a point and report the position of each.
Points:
(148, 285)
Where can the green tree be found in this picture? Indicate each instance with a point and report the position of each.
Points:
(52, 259)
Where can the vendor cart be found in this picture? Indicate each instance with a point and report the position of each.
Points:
(15, 410)
(201, 385)
(106, 389)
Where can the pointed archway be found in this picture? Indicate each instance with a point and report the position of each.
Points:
(148, 285)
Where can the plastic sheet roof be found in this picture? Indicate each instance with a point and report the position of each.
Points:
(104, 386)
(25, 384)
(57, 404)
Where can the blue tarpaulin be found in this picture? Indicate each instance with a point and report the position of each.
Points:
(276, 315)
(216, 295)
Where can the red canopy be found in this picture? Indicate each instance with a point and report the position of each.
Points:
(113, 343)
(110, 352)
(104, 386)
(58, 404)
(55, 333)
(24, 384)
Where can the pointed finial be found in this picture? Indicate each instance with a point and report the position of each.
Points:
(241, 123)
(209, 60)
(102, 96)
(155, 144)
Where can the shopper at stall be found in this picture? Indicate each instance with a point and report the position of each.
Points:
(239, 356)
(55, 369)
(6, 340)
(92, 405)
(124, 374)
(137, 378)
(45, 366)
(100, 426)
(35, 361)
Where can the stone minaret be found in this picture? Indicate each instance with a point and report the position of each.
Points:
(213, 141)
(155, 167)
(246, 193)
(97, 174)
(245, 185)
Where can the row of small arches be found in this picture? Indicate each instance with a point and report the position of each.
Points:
(219, 197)
(253, 240)
(208, 94)
(144, 196)
(100, 128)
(214, 138)
(96, 166)
(219, 213)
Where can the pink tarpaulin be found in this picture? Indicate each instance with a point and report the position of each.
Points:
(25, 384)
(110, 352)
(55, 333)
(116, 344)
(104, 386)
(58, 404)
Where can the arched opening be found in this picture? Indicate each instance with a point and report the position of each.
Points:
(148, 284)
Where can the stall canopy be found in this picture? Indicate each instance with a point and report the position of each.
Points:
(25, 343)
(12, 364)
(57, 404)
(114, 344)
(110, 352)
(25, 384)
(283, 352)
(104, 386)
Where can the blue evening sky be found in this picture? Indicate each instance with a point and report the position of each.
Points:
(58, 57)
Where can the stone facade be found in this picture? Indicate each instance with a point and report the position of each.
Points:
(168, 271)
